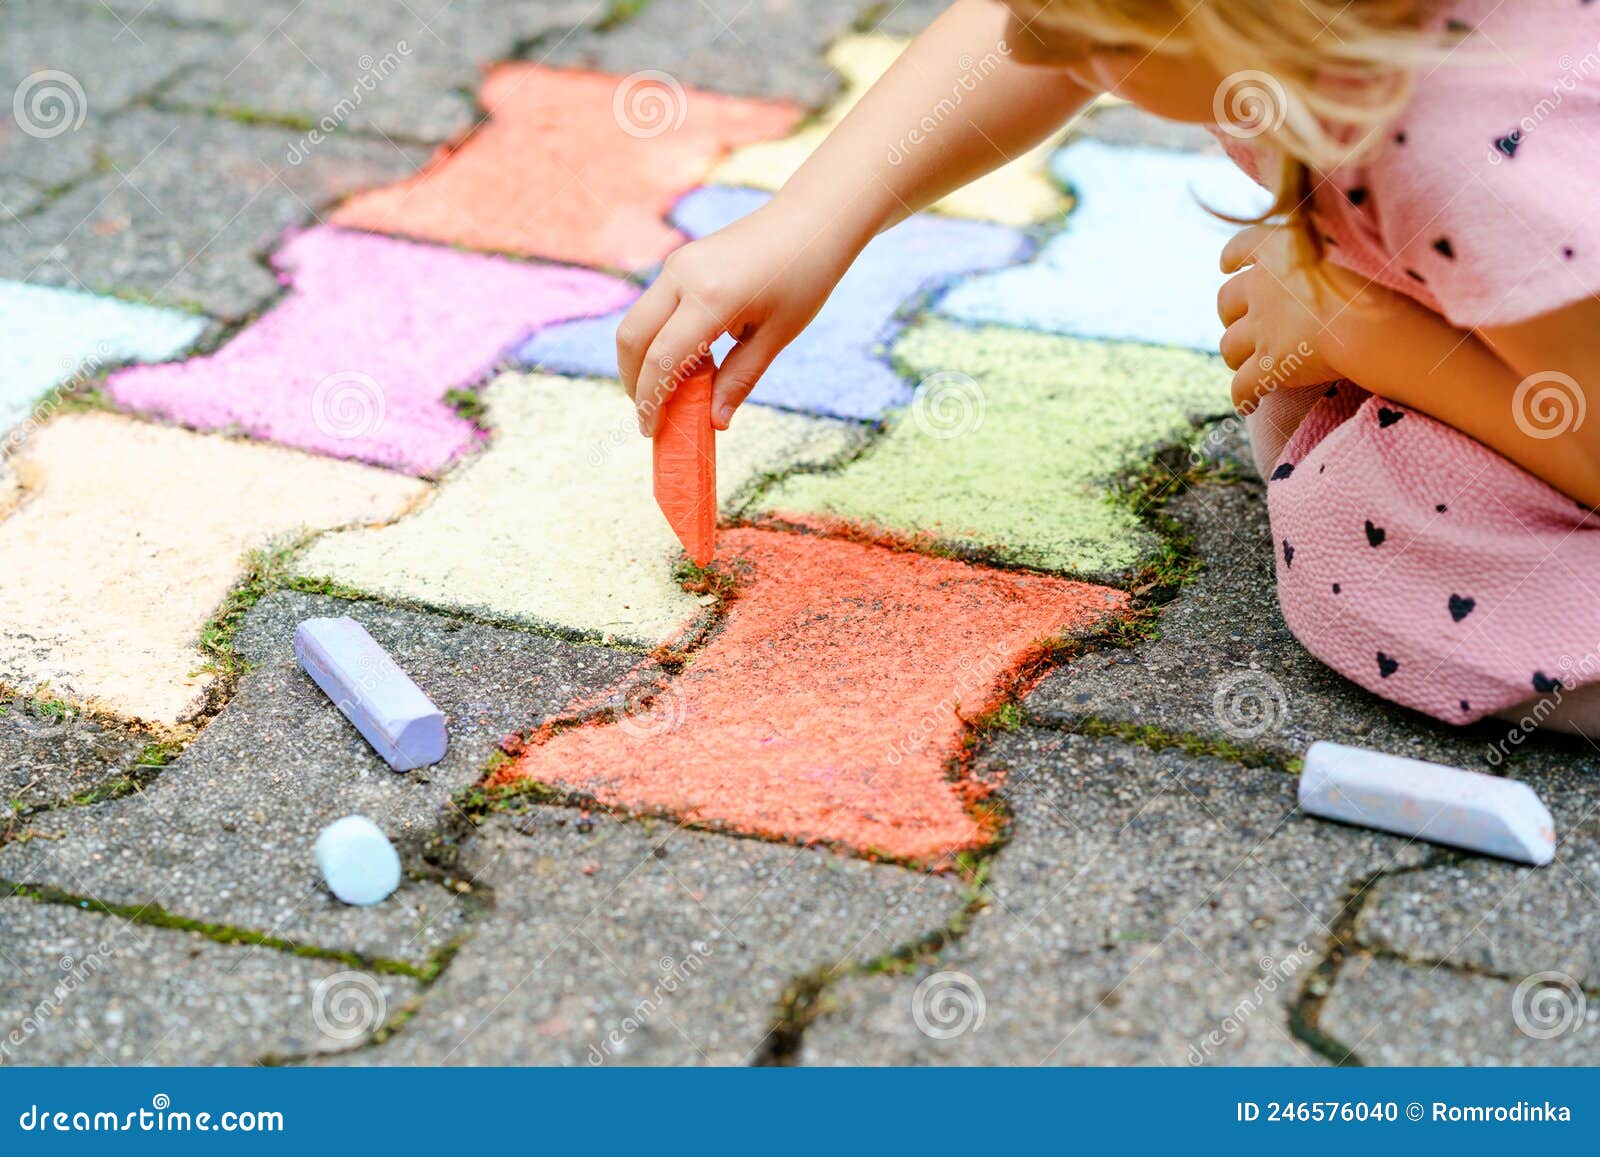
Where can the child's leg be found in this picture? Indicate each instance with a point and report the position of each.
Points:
(1274, 422)
(1577, 712)
(1437, 574)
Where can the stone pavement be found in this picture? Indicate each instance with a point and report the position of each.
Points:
(977, 744)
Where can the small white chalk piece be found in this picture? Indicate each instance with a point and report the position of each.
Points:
(357, 860)
(400, 722)
(1444, 805)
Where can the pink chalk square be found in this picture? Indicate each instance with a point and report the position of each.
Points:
(357, 359)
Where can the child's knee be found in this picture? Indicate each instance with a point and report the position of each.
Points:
(1575, 712)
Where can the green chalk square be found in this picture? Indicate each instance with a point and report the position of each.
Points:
(1014, 445)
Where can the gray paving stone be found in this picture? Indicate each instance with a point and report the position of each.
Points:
(138, 14)
(1148, 909)
(73, 69)
(35, 166)
(638, 943)
(1390, 1013)
(225, 834)
(47, 759)
(754, 48)
(68, 71)
(17, 198)
(1499, 917)
(84, 988)
(114, 62)
(404, 69)
(1226, 667)
(186, 208)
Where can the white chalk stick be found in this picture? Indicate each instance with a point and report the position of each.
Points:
(1444, 805)
(357, 860)
(400, 722)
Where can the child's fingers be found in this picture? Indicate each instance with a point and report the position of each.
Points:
(1248, 390)
(684, 340)
(638, 328)
(739, 373)
(1238, 346)
(1241, 247)
(1233, 300)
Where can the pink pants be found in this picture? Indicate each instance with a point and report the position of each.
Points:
(1424, 566)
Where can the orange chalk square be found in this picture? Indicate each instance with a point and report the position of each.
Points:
(832, 704)
(572, 166)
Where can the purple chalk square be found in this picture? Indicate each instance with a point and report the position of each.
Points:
(586, 348)
(389, 710)
(838, 366)
(356, 360)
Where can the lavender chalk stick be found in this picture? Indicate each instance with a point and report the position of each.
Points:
(400, 722)
(1444, 805)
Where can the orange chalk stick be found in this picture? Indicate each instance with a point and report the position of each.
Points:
(686, 465)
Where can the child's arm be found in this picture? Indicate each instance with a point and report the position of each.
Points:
(1415, 357)
(953, 107)
(1388, 344)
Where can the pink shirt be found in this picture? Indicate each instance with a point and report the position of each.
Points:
(1483, 202)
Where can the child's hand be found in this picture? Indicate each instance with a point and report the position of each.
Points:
(761, 279)
(1279, 308)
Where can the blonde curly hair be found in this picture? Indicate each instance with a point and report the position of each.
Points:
(1330, 73)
